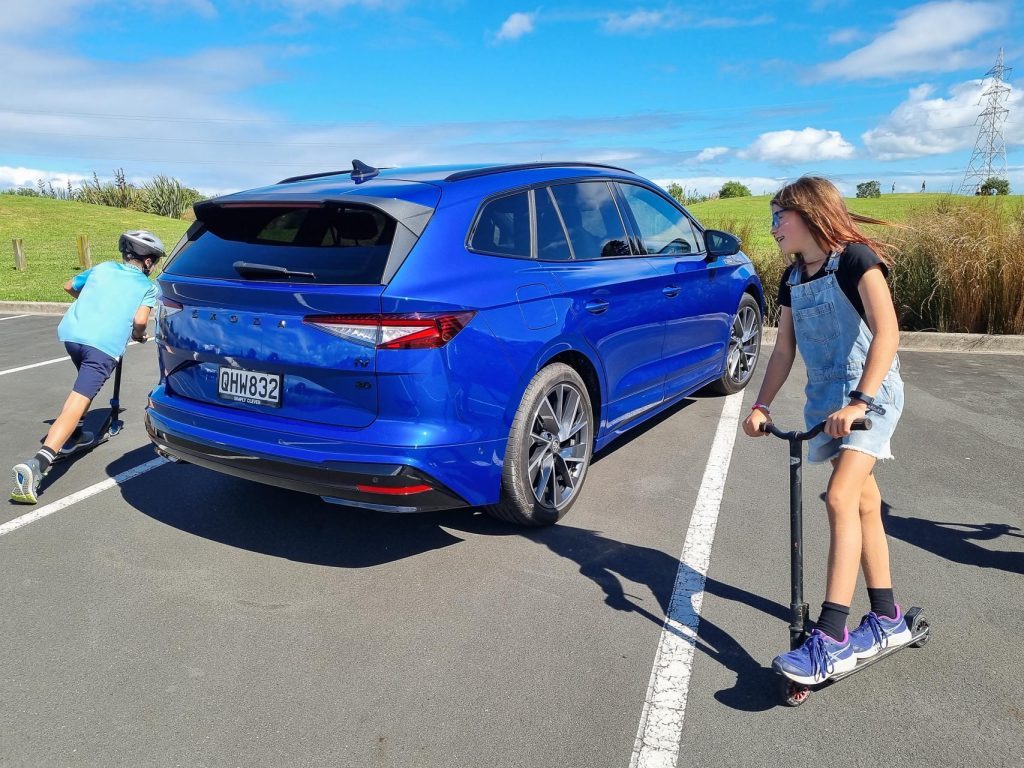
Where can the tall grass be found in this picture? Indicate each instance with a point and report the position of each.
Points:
(163, 196)
(958, 262)
(960, 268)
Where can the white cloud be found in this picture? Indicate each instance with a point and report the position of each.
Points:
(639, 21)
(710, 153)
(515, 26)
(28, 177)
(925, 125)
(795, 147)
(645, 21)
(27, 16)
(843, 36)
(927, 38)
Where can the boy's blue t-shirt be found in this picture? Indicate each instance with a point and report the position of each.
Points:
(102, 315)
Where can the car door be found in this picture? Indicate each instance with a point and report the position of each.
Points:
(697, 322)
(612, 292)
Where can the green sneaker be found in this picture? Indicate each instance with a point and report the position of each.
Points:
(26, 479)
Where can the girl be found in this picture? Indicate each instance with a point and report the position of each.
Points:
(836, 309)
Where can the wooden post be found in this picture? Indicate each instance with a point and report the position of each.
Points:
(19, 254)
(84, 251)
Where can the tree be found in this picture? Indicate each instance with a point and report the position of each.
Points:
(733, 189)
(677, 192)
(994, 185)
(869, 189)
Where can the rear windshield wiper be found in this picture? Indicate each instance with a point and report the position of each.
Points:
(247, 269)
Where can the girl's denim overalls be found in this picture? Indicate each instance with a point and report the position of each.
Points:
(833, 341)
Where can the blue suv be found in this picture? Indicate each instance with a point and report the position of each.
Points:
(426, 338)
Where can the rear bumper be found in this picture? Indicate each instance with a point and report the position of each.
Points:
(388, 478)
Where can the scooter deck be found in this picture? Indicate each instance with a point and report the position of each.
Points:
(884, 653)
(80, 449)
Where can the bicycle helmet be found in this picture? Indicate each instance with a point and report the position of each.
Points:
(140, 244)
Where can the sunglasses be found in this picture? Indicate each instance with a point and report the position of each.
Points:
(777, 217)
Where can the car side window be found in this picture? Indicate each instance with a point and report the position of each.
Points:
(591, 219)
(551, 242)
(503, 226)
(664, 229)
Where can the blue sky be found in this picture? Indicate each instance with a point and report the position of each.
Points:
(225, 94)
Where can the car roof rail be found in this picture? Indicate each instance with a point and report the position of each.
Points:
(473, 173)
(359, 172)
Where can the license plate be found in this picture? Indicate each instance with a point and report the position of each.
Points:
(252, 387)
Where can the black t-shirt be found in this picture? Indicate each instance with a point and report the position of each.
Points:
(854, 261)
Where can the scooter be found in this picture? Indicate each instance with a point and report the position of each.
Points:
(110, 427)
(794, 694)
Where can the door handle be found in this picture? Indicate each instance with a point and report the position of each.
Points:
(671, 291)
(597, 306)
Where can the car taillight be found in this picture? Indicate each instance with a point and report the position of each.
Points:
(416, 331)
(167, 308)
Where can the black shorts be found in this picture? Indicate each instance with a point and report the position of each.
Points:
(94, 368)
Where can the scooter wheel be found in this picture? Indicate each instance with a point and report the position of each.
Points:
(921, 625)
(793, 694)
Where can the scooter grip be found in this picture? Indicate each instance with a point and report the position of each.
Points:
(860, 425)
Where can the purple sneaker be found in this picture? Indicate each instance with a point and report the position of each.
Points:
(817, 659)
(877, 633)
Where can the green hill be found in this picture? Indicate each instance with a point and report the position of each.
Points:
(48, 228)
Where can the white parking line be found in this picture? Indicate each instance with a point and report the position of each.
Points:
(74, 498)
(12, 317)
(661, 722)
(34, 365)
(45, 362)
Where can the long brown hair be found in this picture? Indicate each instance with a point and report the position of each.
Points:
(831, 224)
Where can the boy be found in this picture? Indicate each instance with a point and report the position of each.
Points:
(113, 301)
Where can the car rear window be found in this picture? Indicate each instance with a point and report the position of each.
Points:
(335, 244)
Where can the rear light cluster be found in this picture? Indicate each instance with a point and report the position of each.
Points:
(167, 308)
(416, 331)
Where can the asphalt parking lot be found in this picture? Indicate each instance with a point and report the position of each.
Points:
(185, 618)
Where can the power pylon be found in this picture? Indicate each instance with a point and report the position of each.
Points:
(989, 156)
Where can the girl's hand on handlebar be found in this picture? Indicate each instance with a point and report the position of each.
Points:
(838, 423)
(752, 424)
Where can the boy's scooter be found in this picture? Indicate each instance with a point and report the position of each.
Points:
(794, 694)
(110, 427)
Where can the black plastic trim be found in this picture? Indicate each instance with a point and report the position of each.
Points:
(336, 479)
(477, 172)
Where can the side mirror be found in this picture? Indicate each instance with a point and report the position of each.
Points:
(721, 244)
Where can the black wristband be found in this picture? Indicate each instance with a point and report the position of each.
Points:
(869, 401)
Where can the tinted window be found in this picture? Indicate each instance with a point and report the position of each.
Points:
(590, 216)
(551, 242)
(664, 229)
(503, 226)
(331, 244)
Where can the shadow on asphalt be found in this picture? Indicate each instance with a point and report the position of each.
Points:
(302, 528)
(956, 541)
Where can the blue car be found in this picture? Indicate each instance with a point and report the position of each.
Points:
(427, 338)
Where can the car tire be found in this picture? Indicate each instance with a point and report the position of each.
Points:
(549, 449)
(744, 348)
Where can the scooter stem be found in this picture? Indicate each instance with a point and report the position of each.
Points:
(798, 608)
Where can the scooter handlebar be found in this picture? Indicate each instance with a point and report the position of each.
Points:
(858, 425)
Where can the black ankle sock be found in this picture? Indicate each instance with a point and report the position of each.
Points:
(882, 602)
(832, 620)
(45, 458)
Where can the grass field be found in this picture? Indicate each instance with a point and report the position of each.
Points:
(48, 229)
